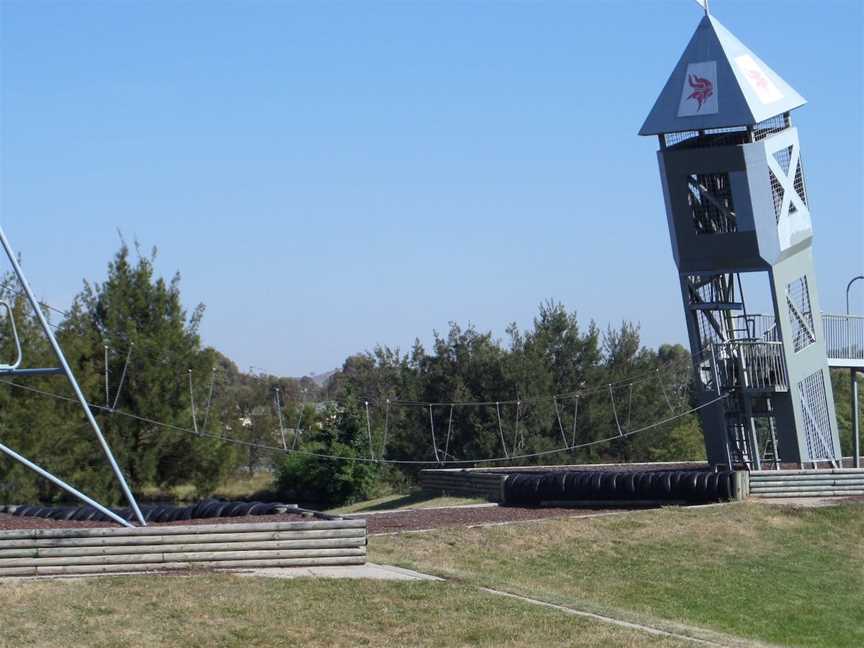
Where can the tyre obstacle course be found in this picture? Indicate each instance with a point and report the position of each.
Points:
(619, 487)
(578, 486)
(164, 513)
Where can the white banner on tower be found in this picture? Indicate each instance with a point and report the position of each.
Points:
(699, 92)
(758, 80)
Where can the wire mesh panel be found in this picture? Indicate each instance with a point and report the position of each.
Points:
(784, 158)
(776, 195)
(673, 139)
(710, 199)
(771, 127)
(799, 182)
(817, 422)
(800, 314)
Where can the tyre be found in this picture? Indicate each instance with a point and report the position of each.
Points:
(701, 491)
(725, 487)
(551, 486)
(625, 487)
(608, 485)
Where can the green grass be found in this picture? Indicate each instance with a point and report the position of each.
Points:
(416, 500)
(242, 612)
(784, 575)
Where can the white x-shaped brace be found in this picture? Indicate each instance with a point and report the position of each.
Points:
(787, 181)
(803, 321)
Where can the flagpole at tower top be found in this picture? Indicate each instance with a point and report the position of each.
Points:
(704, 5)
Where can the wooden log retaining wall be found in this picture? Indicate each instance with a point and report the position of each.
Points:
(61, 552)
(467, 483)
(842, 482)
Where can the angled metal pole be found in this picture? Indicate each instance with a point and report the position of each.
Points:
(59, 482)
(70, 376)
(856, 429)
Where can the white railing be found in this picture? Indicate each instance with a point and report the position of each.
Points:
(746, 364)
(844, 336)
(762, 327)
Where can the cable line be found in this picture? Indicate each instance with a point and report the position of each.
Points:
(415, 462)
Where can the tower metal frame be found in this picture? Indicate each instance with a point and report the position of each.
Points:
(737, 205)
(64, 369)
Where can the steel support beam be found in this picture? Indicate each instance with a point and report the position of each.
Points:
(856, 424)
(59, 482)
(61, 358)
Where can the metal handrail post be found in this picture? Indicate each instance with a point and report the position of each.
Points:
(59, 482)
(856, 430)
(70, 376)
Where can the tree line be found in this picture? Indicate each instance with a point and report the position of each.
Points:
(562, 391)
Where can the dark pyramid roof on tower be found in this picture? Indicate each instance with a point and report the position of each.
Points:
(718, 83)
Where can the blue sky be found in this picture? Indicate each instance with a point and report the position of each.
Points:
(328, 176)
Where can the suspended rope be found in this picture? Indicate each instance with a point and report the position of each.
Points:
(369, 431)
(501, 431)
(558, 416)
(277, 402)
(516, 428)
(575, 414)
(123, 376)
(663, 390)
(192, 399)
(434, 442)
(449, 433)
(629, 405)
(615, 411)
(107, 397)
(241, 442)
(297, 431)
(210, 401)
(386, 426)
(649, 375)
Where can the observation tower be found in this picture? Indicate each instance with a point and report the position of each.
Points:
(738, 215)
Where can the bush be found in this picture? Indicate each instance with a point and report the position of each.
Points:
(326, 471)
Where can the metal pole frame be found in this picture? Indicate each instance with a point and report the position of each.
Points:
(58, 352)
(59, 482)
(856, 428)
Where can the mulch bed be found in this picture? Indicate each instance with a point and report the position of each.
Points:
(419, 519)
(384, 522)
(8, 522)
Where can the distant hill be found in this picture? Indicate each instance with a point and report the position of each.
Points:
(320, 379)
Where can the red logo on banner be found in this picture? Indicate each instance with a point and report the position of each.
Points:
(758, 78)
(702, 89)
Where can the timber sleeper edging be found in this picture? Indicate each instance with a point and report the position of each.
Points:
(35, 552)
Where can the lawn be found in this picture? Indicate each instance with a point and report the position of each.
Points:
(234, 611)
(783, 575)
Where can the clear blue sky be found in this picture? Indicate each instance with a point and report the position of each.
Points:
(328, 176)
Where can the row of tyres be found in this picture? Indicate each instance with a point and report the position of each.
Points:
(690, 486)
(155, 512)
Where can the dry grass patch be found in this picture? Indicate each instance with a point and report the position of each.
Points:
(227, 611)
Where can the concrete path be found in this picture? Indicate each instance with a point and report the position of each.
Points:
(369, 570)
